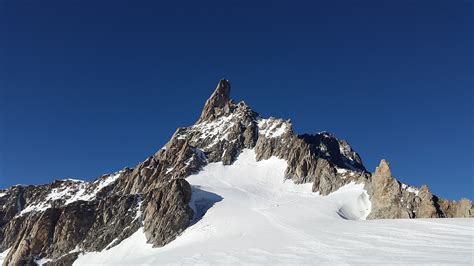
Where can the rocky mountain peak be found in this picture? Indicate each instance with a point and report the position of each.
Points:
(218, 104)
(383, 169)
(58, 221)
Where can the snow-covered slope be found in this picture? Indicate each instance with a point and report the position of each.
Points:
(3, 255)
(248, 213)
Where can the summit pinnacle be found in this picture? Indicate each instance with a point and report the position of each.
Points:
(383, 169)
(218, 104)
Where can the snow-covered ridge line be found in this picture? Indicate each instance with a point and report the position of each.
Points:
(272, 127)
(410, 189)
(219, 127)
(71, 191)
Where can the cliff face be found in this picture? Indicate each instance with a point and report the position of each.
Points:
(392, 199)
(59, 224)
(55, 222)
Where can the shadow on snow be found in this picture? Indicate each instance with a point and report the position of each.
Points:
(201, 201)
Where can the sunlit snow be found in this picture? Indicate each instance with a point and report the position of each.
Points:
(72, 193)
(3, 255)
(254, 216)
(271, 128)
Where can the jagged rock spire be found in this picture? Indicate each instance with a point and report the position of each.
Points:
(383, 169)
(218, 104)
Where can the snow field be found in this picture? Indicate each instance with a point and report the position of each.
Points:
(247, 213)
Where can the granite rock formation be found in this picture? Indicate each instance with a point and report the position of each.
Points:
(55, 222)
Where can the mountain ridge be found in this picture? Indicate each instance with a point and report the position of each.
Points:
(60, 220)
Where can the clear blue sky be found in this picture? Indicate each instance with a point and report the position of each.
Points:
(87, 88)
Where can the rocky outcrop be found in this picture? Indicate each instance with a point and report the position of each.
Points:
(451, 209)
(219, 104)
(167, 212)
(60, 232)
(386, 195)
(392, 199)
(56, 222)
(317, 159)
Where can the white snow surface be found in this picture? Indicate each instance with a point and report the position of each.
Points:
(72, 193)
(217, 129)
(254, 216)
(3, 255)
(410, 189)
(341, 170)
(413, 190)
(271, 127)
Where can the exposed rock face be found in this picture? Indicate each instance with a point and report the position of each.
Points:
(392, 199)
(55, 222)
(383, 170)
(386, 195)
(451, 209)
(167, 212)
(61, 231)
(219, 104)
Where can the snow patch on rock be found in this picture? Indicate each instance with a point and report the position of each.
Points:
(272, 127)
(218, 129)
(410, 189)
(3, 255)
(71, 191)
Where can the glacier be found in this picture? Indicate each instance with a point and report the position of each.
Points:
(254, 215)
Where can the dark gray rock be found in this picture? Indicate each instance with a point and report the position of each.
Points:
(167, 212)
